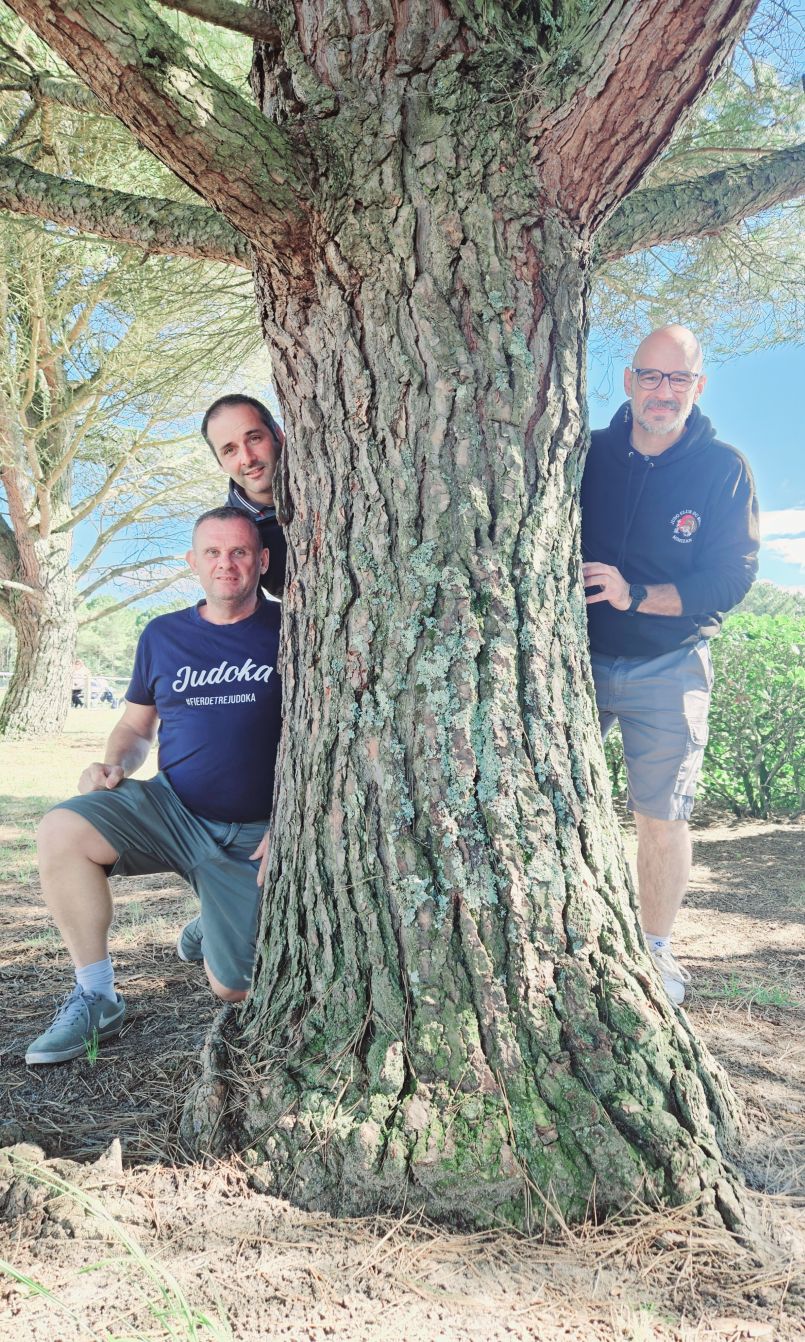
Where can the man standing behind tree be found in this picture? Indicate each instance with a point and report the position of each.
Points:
(207, 678)
(670, 540)
(247, 441)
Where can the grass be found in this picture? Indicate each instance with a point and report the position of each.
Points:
(736, 993)
(92, 1047)
(794, 898)
(135, 922)
(20, 817)
(59, 759)
(56, 762)
(48, 939)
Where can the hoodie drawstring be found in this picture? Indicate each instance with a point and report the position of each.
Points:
(631, 512)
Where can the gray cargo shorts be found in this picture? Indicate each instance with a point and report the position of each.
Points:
(151, 830)
(661, 704)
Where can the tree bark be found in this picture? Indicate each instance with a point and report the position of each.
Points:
(38, 694)
(452, 1006)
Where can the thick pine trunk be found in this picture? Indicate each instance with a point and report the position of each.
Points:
(452, 1006)
(38, 694)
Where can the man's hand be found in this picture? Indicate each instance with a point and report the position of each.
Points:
(98, 777)
(614, 587)
(261, 852)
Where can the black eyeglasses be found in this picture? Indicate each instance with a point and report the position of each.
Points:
(651, 378)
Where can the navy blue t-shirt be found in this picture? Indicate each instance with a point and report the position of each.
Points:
(217, 691)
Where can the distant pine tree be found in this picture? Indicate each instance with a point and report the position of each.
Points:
(766, 598)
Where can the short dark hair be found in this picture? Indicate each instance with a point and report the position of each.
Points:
(236, 398)
(227, 514)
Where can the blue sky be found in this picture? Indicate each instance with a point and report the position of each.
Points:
(754, 403)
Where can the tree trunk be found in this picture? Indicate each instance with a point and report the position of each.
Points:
(38, 694)
(452, 1005)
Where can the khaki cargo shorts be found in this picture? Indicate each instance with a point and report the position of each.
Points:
(661, 704)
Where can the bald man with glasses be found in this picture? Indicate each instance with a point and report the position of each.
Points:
(669, 541)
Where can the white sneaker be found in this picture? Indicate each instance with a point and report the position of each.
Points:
(674, 975)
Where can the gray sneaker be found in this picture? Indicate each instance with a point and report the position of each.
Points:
(188, 942)
(674, 975)
(82, 1021)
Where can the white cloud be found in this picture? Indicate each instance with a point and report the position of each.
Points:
(791, 549)
(782, 522)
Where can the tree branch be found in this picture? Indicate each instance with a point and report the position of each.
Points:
(66, 92)
(95, 500)
(590, 148)
(160, 226)
(67, 458)
(228, 14)
(702, 205)
(190, 118)
(24, 119)
(122, 522)
(109, 575)
(10, 586)
(136, 596)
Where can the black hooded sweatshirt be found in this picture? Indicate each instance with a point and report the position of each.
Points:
(688, 516)
(271, 535)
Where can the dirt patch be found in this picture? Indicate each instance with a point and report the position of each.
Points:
(130, 1244)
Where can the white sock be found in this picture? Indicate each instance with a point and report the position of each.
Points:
(98, 978)
(657, 943)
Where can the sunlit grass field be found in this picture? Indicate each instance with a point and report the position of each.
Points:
(49, 766)
(35, 774)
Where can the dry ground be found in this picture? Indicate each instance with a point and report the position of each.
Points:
(131, 1244)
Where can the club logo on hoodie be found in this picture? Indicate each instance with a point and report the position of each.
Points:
(685, 525)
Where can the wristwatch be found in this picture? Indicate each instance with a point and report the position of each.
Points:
(638, 593)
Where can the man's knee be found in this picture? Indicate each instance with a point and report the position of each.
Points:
(63, 834)
(229, 994)
(659, 832)
(653, 822)
(222, 993)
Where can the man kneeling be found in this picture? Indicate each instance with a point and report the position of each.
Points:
(207, 676)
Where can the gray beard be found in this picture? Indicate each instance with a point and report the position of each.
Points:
(655, 430)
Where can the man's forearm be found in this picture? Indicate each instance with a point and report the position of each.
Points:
(663, 599)
(608, 584)
(127, 749)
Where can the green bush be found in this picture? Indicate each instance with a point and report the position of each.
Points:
(613, 749)
(755, 758)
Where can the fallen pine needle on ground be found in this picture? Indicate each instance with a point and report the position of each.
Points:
(105, 1234)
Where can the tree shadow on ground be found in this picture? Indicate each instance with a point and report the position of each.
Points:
(761, 874)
